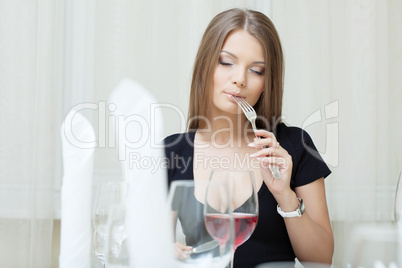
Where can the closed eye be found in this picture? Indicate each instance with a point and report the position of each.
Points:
(257, 72)
(225, 63)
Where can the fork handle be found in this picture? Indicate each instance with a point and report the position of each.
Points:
(275, 172)
(274, 169)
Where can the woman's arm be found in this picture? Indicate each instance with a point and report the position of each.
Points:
(173, 217)
(182, 251)
(311, 234)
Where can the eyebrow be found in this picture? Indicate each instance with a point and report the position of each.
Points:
(234, 56)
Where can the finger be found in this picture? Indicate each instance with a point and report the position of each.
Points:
(186, 248)
(260, 133)
(278, 161)
(258, 143)
(268, 152)
(183, 255)
(183, 247)
(264, 133)
(182, 252)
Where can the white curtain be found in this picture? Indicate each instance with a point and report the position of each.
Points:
(29, 105)
(343, 85)
(342, 61)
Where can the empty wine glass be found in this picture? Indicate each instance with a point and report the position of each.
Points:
(108, 194)
(244, 202)
(117, 252)
(193, 244)
(398, 201)
(372, 245)
(293, 265)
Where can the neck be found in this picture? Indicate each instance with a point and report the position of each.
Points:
(223, 129)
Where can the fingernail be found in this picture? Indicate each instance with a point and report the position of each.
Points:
(253, 155)
(252, 144)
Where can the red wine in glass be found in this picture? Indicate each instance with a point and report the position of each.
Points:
(218, 226)
(243, 205)
(244, 226)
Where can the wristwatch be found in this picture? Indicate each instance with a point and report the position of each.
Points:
(297, 213)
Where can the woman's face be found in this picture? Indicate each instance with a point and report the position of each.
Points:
(239, 72)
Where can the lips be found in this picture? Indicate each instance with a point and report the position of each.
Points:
(233, 94)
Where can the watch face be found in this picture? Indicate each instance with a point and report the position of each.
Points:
(302, 208)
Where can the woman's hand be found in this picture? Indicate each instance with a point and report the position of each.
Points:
(270, 152)
(182, 252)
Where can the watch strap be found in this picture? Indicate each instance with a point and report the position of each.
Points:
(297, 213)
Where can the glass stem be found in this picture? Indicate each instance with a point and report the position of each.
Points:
(232, 260)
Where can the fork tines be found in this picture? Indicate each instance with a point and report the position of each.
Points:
(244, 105)
(251, 115)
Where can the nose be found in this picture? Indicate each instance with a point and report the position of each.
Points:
(239, 83)
(239, 79)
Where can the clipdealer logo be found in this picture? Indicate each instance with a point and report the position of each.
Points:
(112, 130)
(331, 153)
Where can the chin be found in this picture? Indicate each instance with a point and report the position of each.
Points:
(233, 110)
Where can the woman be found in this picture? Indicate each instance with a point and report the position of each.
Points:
(240, 55)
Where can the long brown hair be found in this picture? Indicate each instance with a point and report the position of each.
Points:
(269, 105)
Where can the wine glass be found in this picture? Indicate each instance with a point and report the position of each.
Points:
(107, 195)
(193, 244)
(292, 264)
(117, 251)
(244, 201)
(372, 245)
(398, 201)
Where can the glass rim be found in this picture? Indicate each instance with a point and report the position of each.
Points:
(112, 182)
(232, 170)
(181, 183)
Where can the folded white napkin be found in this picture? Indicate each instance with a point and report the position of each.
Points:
(379, 264)
(149, 232)
(78, 143)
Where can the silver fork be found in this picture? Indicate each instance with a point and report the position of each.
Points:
(251, 115)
